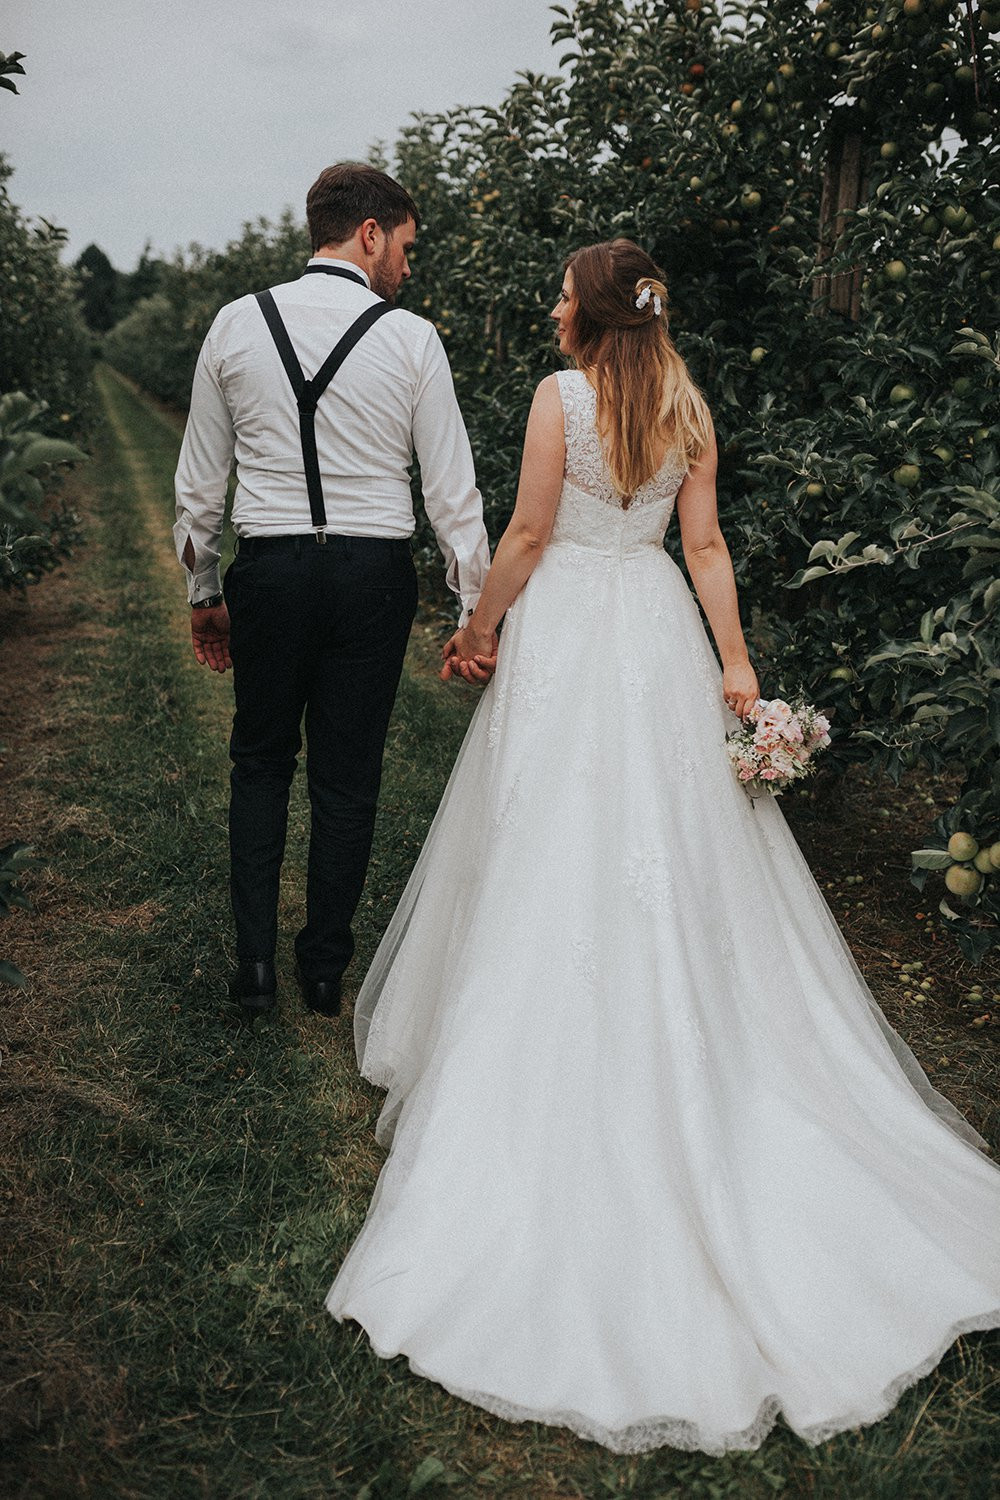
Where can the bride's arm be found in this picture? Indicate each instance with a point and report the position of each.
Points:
(711, 569)
(525, 538)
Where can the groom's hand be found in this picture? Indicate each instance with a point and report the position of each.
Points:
(210, 637)
(470, 656)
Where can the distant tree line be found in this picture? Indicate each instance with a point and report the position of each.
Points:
(169, 305)
(105, 294)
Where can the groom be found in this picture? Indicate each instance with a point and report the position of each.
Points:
(322, 390)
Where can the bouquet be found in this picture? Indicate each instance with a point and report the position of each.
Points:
(775, 745)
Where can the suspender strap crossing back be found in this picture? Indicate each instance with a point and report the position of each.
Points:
(308, 392)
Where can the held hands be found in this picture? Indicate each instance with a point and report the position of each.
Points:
(470, 654)
(740, 688)
(210, 637)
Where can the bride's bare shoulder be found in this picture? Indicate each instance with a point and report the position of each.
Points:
(547, 399)
(544, 420)
(546, 405)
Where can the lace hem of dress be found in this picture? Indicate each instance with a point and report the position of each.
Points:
(675, 1432)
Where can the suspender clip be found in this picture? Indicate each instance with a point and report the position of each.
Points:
(321, 536)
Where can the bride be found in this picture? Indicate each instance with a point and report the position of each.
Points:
(660, 1169)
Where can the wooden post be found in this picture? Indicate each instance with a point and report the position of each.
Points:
(842, 193)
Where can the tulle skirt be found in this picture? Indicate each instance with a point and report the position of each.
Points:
(660, 1169)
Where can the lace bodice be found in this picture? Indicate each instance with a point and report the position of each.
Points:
(590, 511)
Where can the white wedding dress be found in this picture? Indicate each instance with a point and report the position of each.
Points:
(660, 1169)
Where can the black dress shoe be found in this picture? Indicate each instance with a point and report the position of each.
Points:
(254, 987)
(321, 995)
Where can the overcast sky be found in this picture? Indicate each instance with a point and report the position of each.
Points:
(140, 120)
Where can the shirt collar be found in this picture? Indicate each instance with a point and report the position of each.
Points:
(343, 265)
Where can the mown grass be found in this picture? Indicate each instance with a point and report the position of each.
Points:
(184, 1188)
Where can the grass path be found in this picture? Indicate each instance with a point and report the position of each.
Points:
(179, 1190)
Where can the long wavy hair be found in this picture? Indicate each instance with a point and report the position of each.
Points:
(644, 391)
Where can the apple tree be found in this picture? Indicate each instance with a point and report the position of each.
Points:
(819, 184)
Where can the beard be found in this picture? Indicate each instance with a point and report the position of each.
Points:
(383, 279)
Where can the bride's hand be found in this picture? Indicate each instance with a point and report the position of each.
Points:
(470, 654)
(740, 688)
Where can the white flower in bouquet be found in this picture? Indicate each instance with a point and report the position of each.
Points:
(775, 745)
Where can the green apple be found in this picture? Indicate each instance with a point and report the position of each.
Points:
(962, 846)
(961, 880)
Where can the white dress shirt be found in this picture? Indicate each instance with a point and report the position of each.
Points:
(393, 394)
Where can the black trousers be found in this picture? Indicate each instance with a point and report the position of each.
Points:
(318, 631)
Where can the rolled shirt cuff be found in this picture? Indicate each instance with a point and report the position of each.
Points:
(203, 579)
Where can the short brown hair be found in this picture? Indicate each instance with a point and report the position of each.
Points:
(345, 195)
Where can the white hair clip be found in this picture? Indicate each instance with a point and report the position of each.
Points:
(643, 300)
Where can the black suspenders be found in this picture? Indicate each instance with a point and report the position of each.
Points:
(308, 392)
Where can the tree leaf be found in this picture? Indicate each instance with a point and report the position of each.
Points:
(931, 859)
(821, 549)
(806, 575)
